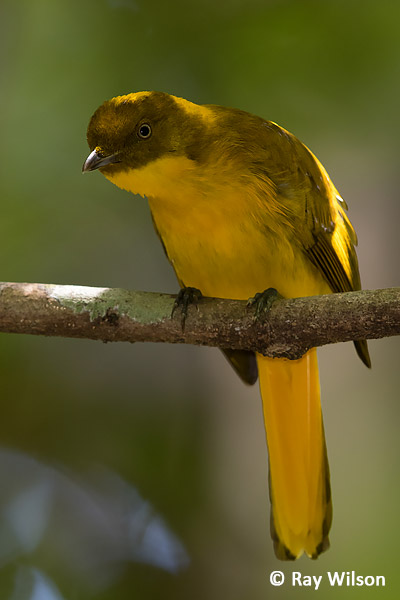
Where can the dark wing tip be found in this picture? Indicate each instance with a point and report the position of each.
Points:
(363, 353)
(244, 363)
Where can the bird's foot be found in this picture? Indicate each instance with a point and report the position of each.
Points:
(186, 297)
(263, 301)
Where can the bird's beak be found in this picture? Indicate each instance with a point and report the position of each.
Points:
(95, 160)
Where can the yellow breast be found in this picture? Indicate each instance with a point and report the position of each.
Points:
(216, 234)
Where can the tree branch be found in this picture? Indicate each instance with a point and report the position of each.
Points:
(115, 315)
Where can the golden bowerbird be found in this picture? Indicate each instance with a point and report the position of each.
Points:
(241, 205)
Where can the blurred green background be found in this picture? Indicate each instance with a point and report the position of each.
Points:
(174, 422)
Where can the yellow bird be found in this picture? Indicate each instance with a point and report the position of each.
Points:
(241, 205)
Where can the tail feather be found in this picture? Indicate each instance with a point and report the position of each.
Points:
(301, 508)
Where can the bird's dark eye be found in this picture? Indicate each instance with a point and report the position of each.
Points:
(144, 131)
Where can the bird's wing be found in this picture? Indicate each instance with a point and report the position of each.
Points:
(322, 226)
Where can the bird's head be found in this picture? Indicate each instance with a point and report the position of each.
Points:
(128, 133)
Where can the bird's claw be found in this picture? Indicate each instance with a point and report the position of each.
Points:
(263, 301)
(186, 297)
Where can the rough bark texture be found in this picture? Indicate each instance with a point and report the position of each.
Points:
(289, 329)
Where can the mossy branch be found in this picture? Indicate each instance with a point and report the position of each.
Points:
(116, 315)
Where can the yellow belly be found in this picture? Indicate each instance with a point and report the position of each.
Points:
(230, 257)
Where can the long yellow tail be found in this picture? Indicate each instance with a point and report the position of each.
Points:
(301, 508)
